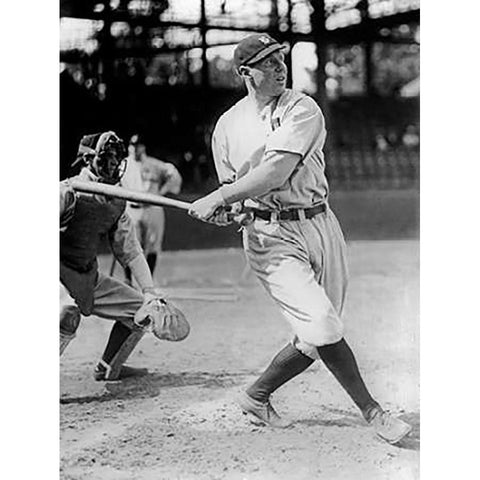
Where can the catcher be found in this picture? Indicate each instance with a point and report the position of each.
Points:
(84, 220)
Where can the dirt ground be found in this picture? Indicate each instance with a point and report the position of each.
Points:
(180, 422)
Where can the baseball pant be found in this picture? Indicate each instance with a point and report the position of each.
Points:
(150, 227)
(112, 300)
(303, 266)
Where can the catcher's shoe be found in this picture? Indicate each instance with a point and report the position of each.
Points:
(388, 427)
(102, 373)
(260, 413)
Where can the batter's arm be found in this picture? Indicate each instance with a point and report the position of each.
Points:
(225, 171)
(272, 173)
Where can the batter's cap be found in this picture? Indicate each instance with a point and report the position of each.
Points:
(253, 48)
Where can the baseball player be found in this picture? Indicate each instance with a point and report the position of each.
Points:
(268, 156)
(84, 219)
(149, 174)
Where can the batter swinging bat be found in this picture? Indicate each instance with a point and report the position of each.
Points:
(131, 195)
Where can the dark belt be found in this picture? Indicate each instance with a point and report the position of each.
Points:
(290, 214)
(136, 205)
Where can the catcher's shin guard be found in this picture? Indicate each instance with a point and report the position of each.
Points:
(69, 321)
(123, 351)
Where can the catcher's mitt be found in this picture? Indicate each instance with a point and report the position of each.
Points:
(163, 319)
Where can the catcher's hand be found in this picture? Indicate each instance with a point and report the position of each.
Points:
(163, 319)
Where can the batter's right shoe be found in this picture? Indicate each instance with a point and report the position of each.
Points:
(388, 427)
(260, 413)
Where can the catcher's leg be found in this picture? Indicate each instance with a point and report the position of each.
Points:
(120, 345)
(114, 300)
(69, 321)
(69, 318)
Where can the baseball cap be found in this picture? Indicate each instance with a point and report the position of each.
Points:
(253, 48)
(137, 139)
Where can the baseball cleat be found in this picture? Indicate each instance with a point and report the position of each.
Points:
(101, 374)
(260, 413)
(388, 427)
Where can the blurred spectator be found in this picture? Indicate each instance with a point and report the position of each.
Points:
(410, 138)
(381, 143)
(392, 138)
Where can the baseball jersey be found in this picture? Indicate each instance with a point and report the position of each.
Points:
(293, 123)
(151, 175)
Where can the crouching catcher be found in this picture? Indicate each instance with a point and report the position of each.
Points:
(84, 220)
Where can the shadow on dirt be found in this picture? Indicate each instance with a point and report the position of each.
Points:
(412, 441)
(350, 419)
(343, 418)
(151, 385)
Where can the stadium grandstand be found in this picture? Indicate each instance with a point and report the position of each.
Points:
(163, 67)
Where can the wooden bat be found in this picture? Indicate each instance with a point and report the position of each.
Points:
(141, 197)
(131, 195)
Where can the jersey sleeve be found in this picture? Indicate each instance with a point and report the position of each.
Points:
(300, 128)
(123, 240)
(225, 171)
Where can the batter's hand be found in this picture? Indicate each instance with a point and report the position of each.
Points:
(205, 208)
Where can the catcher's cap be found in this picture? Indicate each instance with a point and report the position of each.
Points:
(92, 144)
(253, 48)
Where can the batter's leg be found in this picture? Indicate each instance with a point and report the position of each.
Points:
(287, 364)
(341, 362)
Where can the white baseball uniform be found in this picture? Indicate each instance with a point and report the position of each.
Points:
(302, 263)
(154, 176)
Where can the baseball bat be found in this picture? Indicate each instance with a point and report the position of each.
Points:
(131, 195)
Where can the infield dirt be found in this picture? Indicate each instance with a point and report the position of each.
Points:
(180, 421)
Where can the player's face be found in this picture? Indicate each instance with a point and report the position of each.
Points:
(269, 75)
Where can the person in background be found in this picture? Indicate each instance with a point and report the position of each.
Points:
(148, 174)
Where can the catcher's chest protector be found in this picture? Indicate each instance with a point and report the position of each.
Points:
(92, 218)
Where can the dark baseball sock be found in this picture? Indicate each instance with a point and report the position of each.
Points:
(340, 360)
(118, 335)
(152, 261)
(288, 363)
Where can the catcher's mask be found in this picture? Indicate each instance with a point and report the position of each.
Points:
(104, 154)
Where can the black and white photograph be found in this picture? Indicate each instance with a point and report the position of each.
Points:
(239, 249)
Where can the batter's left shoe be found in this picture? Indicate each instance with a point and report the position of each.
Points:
(260, 413)
(102, 372)
(388, 427)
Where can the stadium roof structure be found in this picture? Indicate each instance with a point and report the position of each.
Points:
(116, 29)
(334, 21)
